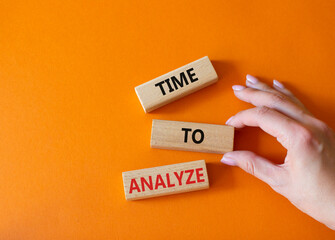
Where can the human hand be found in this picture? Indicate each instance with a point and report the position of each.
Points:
(307, 176)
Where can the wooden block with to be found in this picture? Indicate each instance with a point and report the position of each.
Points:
(176, 84)
(165, 180)
(188, 136)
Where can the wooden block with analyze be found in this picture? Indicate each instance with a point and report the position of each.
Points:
(176, 84)
(165, 180)
(189, 136)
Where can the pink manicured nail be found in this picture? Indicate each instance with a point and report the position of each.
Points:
(229, 119)
(252, 79)
(278, 84)
(228, 161)
(238, 87)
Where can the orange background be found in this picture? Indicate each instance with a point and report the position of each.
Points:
(71, 122)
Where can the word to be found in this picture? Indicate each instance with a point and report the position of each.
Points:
(188, 136)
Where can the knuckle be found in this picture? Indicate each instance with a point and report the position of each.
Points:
(300, 112)
(249, 167)
(309, 140)
(277, 98)
(304, 134)
(322, 126)
(261, 111)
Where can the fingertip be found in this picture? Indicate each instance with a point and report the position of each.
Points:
(229, 120)
(228, 161)
(278, 84)
(238, 87)
(251, 79)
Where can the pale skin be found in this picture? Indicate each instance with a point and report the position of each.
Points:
(307, 176)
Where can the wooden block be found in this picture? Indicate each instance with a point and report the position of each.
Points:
(188, 136)
(176, 84)
(165, 180)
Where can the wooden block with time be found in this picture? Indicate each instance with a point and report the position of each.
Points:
(165, 180)
(176, 84)
(189, 136)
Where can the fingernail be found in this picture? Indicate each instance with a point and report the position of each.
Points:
(238, 87)
(252, 79)
(278, 84)
(229, 119)
(228, 161)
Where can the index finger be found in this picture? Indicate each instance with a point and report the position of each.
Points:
(270, 121)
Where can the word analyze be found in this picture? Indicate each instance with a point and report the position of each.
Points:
(165, 180)
(176, 84)
(198, 137)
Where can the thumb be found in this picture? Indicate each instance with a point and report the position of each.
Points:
(255, 165)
